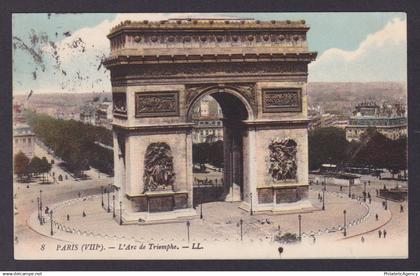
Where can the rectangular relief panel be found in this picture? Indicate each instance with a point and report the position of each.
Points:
(119, 108)
(282, 100)
(157, 104)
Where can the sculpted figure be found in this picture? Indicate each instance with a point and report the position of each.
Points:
(282, 159)
(159, 173)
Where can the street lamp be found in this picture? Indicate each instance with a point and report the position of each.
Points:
(201, 210)
(300, 226)
(252, 212)
(188, 231)
(51, 219)
(241, 222)
(349, 188)
(345, 233)
(113, 206)
(120, 212)
(37, 207)
(108, 209)
(364, 191)
(102, 193)
(40, 205)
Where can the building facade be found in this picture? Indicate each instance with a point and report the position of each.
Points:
(389, 120)
(207, 117)
(23, 140)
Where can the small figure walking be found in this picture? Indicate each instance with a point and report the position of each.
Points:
(384, 233)
(84, 214)
(401, 208)
(376, 216)
(79, 194)
(362, 239)
(68, 217)
(380, 233)
(341, 188)
(313, 239)
(370, 200)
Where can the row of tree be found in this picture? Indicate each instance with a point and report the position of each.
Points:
(374, 150)
(74, 142)
(208, 153)
(26, 168)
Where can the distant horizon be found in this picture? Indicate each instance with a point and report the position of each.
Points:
(313, 82)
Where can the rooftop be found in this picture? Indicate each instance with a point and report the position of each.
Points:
(208, 23)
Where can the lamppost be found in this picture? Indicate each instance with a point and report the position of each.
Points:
(252, 212)
(51, 219)
(120, 212)
(188, 231)
(37, 207)
(364, 191)
(350, 188)
(300, 225)
(113, 206)
(241, 222)
(323, 198)
(201, 210)
(102, 196)
(344, 213)
(108, 209)
(40, 206)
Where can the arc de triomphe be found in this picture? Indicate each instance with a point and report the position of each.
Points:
(257, 71)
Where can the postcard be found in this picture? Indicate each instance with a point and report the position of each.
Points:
(210, 136)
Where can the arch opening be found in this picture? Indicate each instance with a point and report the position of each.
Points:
(218, 142)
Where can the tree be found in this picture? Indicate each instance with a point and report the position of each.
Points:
(35, 166)
(216, 154)
(327, 145)
(45, 167)
(21, 162)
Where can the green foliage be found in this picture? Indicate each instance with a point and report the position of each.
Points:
(21, 162)
(74, 142)
(211, 153)
(327, 145)
(36, 165)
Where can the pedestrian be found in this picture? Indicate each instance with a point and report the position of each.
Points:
(401, 208)
(79, 194)
(68, 217)
(370, 200)
(380, 233)
(341, 188)
(84, 214)
(362, 239)
(376, 216)
(384, 233)
(313, 239)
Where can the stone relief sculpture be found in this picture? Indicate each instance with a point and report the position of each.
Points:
(282, 164)
(159, 172)
(156, 104)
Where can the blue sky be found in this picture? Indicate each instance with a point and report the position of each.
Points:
(351, 47)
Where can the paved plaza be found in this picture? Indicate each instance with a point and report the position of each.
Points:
(320, 229)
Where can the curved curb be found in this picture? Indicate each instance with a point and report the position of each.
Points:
(340, 227)
(364, 233)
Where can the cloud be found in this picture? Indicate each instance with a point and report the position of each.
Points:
(382, 56)
(74, 62)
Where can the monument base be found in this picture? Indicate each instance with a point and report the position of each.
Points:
(303, 206)
(159, 217)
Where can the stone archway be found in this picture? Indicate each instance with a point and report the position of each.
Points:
(236, 109)
(257, 71)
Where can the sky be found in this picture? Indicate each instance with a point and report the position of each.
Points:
(62, 52)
